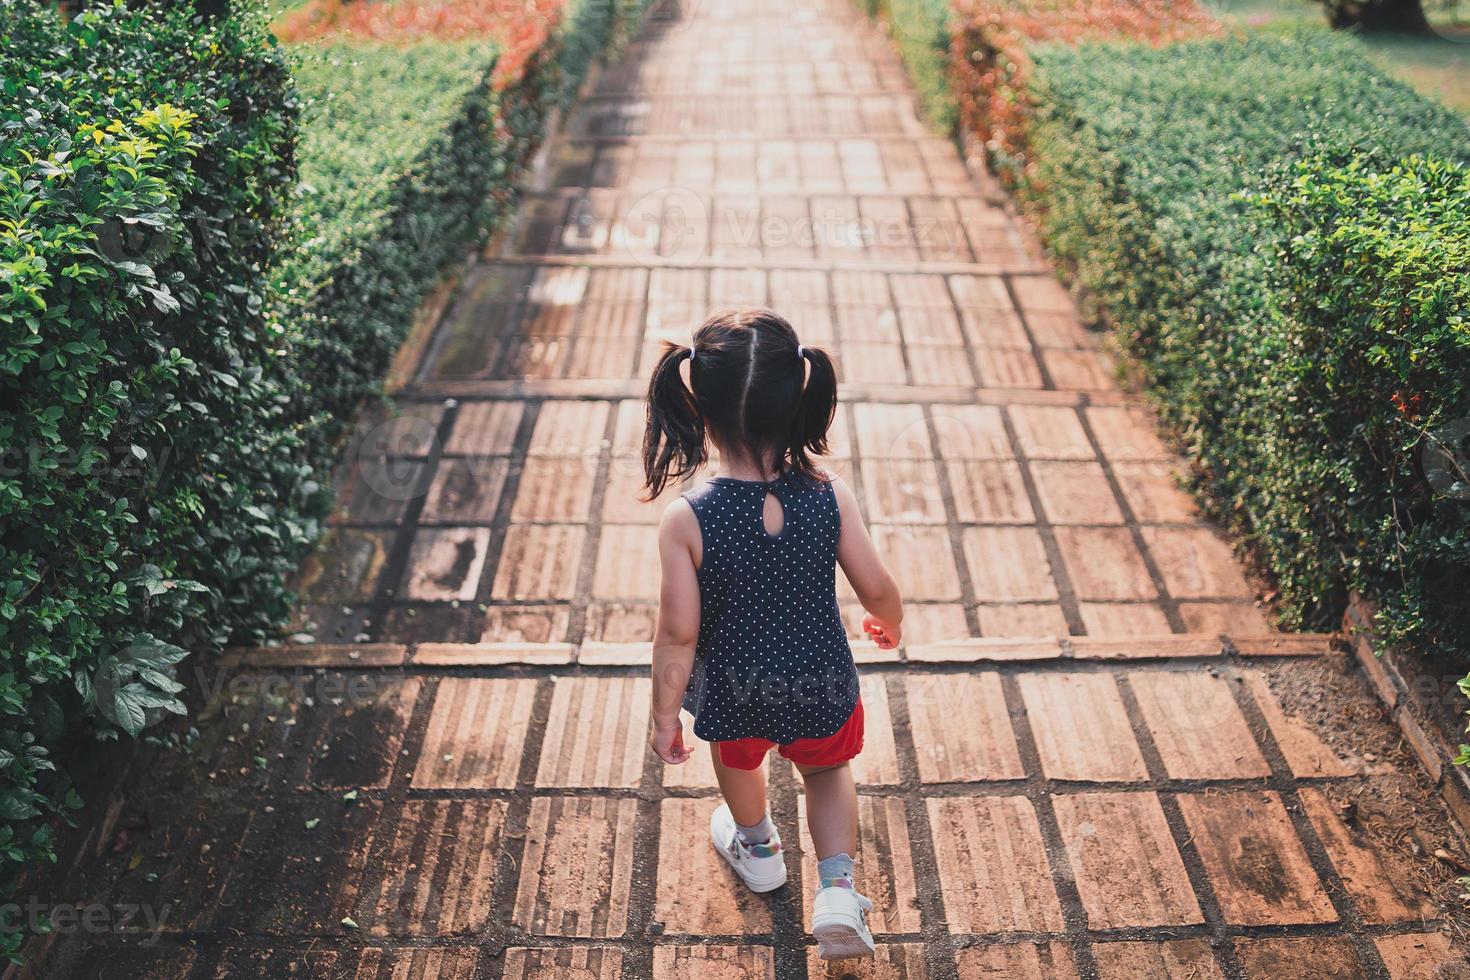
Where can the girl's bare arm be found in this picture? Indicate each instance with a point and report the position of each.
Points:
(865, 571)
(677, 633)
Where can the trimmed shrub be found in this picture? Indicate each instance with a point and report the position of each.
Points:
(398, 161)
(993, 67)
(1371, 348)
(150, 495)
(921, 31)
(1139, 158)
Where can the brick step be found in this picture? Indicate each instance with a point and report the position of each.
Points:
(976, 649)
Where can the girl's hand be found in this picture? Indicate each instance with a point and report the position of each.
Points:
(886, 635)
(668, 743)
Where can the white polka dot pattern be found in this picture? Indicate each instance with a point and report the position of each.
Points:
(773, 660)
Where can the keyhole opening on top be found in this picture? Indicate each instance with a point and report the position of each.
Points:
(773, 515)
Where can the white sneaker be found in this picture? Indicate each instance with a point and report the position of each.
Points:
(761, 866)
(840, 925)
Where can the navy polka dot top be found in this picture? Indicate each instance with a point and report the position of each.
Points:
(773, 660)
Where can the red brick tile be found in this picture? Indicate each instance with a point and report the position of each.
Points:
(891, 431)
(1222, 617)
(961, 728)
(484, 429)
(940, 365)
(1152, 492)
(596, 732)
(1008, 367)
(903, 491)
(885, 865)
(1104, 563)
(698, 893)
(1196, 725)
(1050, 432)
(1017, 961)
(577, 866)
(623, 502)
(1300, 959)
(581, 962)
(539, 562)
(877, 764)
(1071, 710)
(319, 655)
(1181, 959)
(597, 654)
(971, 432)
(1259, 870)
(1128, 870)
(713, 963)
(982, 894)
(345, 566)
(1075, 493)
(1384, 888)
(1155, 646)
(446, 564)
(1031, 619)
(465, 490)
(621, 622)
(890, 961)
(375, 490)
(1305, 752)
(1195, 562)
(1126, 433)
(1416, 955)
(989, 492)
(989, 328)
(491, 654)
(1008, 564)
(922, 623)
(555, 489)
(525, 624)
(404, 428)
(921, 559)
(452, 963)
(1268, 644)
(627, 563)
(477, 730)
(567, 428)
(1124, 619)
(1079, 370)
(440, 870)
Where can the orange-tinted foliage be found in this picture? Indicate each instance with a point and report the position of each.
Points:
(520, 26)
(992, 68)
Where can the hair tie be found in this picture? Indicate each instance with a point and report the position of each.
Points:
(691, 350)
(800, 352)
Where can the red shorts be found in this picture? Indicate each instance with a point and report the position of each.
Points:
(835, 749)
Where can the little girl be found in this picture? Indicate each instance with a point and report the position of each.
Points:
(750, 639)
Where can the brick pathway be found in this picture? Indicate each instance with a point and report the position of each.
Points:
(1076, 769)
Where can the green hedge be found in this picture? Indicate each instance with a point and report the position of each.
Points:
(1141, 158)
(921, 31)
(150, 491)
(1372, 338)
(398, 159)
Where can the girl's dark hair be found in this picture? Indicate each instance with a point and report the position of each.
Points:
(751, 391)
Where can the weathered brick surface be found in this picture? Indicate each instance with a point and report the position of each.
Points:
(1196, 725)
(1021, 961)
(1183, 959)
(980, 893)
(1128, 870)
(698, 893)
(476, 734)
(439, 871)
(1072, 710)
(596, 733)
(714, 963)
(961, 729)
(1257, 865)
(576, 868)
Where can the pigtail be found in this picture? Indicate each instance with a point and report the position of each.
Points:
(817, 407)
(673, 441)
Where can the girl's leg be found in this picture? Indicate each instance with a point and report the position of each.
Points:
(744, 790)
(831, 809)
